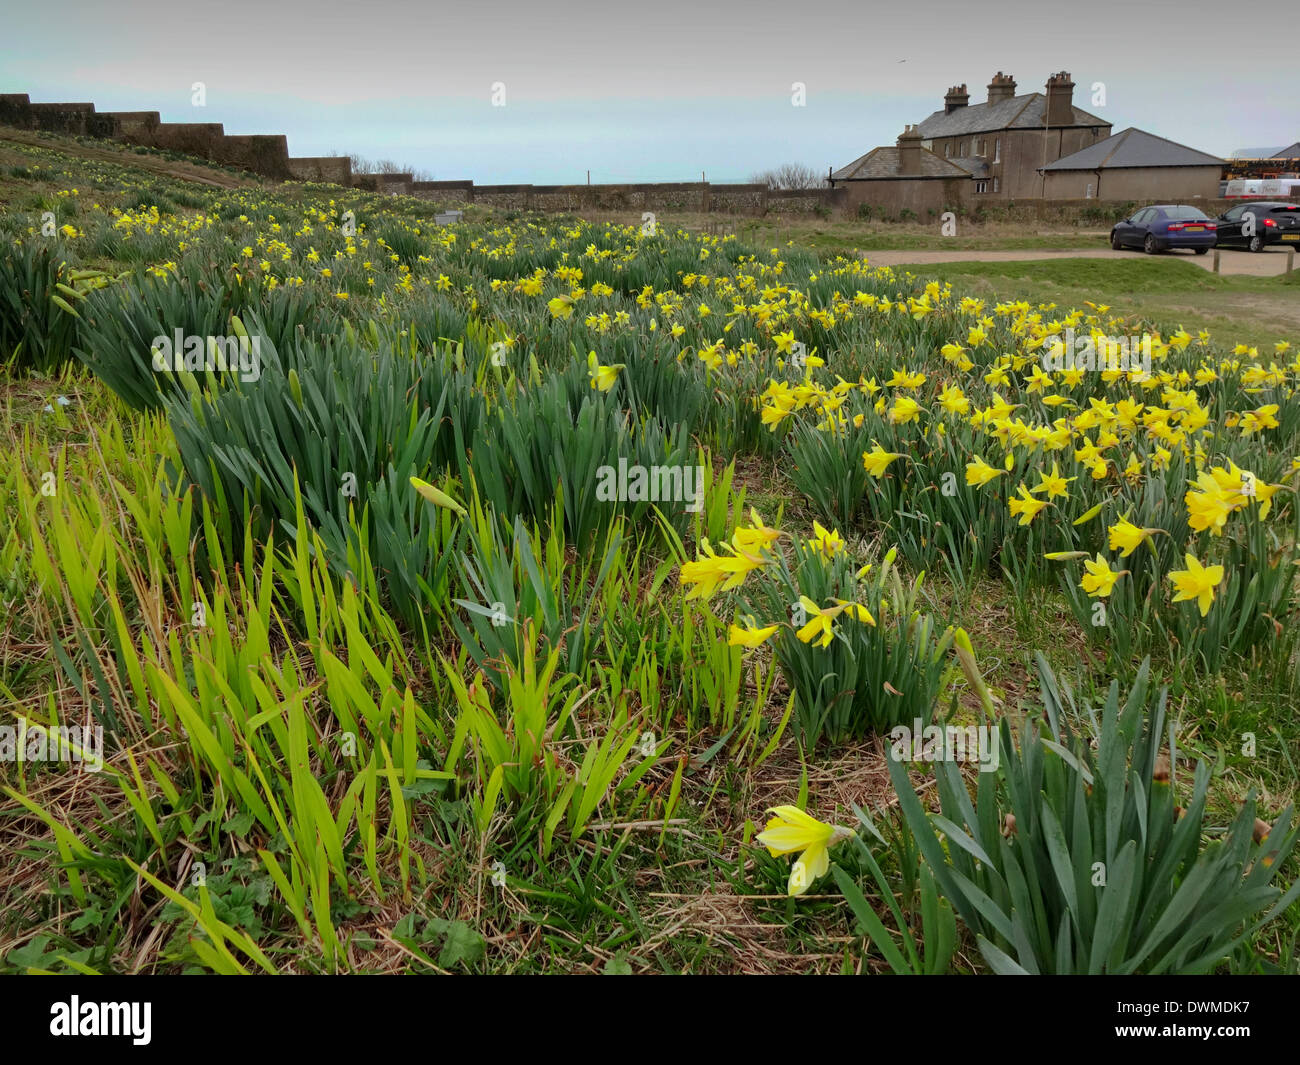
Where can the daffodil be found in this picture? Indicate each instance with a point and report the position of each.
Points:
(602, 377)
(979, 472)
(1099, 581)
(1026, 506)
(828, 543)
(818, 624)
(793, 831)
(1126, 537)
(1197, 582)
(748, 635)
(1053, 483)
(756, 537)
(904, 410)
(877, 460)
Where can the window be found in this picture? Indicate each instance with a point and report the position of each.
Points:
(981, 186)
(979, 147)
(947, 149)
(995, 184)
(997, 150)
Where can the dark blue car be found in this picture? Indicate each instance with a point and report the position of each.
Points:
(1155, 229)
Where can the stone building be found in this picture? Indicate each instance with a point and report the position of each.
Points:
(1005, 149)
(1134, 165)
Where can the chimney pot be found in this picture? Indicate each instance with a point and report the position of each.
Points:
(1060, 100)
(1002, 87)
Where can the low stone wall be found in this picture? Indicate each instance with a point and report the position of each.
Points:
(1080, 212)
(442, 190)
(335, 169)
(692, 196)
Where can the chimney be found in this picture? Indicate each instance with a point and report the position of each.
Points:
(957, 97)
(1002, 87)
(909, 152)
(1060, 100)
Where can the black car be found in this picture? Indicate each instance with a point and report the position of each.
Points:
(1273, 222)
(1165, 225)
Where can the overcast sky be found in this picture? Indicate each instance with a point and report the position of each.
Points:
(655, 91)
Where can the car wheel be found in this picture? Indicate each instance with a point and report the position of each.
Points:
(1257, 243)
(1200, 251)
(1114, 241)
(1149, 245)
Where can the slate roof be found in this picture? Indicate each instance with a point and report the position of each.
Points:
(1133, 148)
(973, 166)
(1018, 112)
(885, 162)
(1292, 152)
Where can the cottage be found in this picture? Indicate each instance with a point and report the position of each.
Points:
(1134, 165)
(969, 152)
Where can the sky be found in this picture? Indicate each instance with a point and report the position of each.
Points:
(512, 91)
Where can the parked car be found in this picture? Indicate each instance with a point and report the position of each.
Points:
(1165, 225)
(1274, 223)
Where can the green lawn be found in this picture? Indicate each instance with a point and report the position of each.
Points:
(1254, 310)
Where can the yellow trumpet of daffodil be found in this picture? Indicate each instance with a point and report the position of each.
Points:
(793, 831)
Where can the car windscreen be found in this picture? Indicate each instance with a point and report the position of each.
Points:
(1182, 214)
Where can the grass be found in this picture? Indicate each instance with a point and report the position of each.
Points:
(1259, 310)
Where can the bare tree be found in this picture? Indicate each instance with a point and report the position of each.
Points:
(790, 176)
(362, 165)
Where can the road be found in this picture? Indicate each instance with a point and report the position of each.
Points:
(1268, 263)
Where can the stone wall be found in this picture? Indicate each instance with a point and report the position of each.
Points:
(263, 154)
(691, 196)
(335, 169)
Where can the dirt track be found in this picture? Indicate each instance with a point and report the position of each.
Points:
(1267, 263)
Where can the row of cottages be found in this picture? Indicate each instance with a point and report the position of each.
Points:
(1034, 146)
